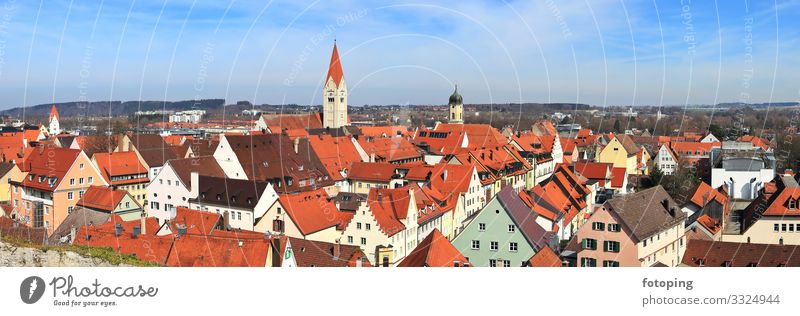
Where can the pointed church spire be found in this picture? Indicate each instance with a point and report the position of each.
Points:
(335, 69)
(53, 112)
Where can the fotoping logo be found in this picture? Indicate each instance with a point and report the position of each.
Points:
(31, 289)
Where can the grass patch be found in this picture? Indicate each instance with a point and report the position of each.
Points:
(106, 254)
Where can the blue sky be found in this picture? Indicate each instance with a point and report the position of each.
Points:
(600, 52)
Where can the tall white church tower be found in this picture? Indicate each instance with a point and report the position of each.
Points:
(55, 127)
(334, 102)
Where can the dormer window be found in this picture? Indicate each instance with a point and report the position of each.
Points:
(792, 204)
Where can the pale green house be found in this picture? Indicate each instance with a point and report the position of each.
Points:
(105, 199)
(503, 234)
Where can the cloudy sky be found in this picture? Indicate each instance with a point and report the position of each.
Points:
(601, 52)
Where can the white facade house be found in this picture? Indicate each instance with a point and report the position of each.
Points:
(744, 171)
(710, 138)
(666, 160)
(55, 126)
(190, 116)
(237, 214)
(176, 184)
(227, 159)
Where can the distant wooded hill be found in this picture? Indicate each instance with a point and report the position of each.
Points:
(114, 108)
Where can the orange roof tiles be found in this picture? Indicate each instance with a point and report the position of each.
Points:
(335, 153)
(389, 149)
(618, 176)
(313, 211)
(119, 164)
(47, 166)
(434, 251)
(545, 258)
(390, 208)
(102, 198)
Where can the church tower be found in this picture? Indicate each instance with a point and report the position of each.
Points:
(456, 108)
(334, 100)
(55, 127)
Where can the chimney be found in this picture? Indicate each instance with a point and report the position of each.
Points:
(337, 250)
(665, 204)
(72, 232)
(444, 175)
(143, 223)
(195, 184)
(372, 157)
(296, 145)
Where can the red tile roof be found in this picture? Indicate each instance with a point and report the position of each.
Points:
(120, 164)
(545, 258)
(478, 135)
(720, 253)
(335, 153)
(618, 176)
(594, 170)
(102, 198)
(47, 166)
(389, 149)
(434, 251)
(373, 171)
(313, 211)
(310, 253)
(755, 140)
(390, 208)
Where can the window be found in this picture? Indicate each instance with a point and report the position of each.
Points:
(610, 263)
(494, 246)
(363, 241)
(492, 263)
(612, 246)
(589, 243)
(91, 180)
(792, 204)
(71, 181)
(507, 263)
(481, 227)
(513, 247)
(598, 226)
(277, 225)
(588, 262)
(349, 239)
(614, 228)
(645, 243)
(358, 225)
(80, 194)
(81, 166)
(70, 195)
(476, 244)
(791, 227)
(512, 228)
(777, 227)
(783, 227)
(367, 226)
(80, 180)
(69, 209)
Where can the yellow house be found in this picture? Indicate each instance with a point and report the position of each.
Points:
(8, 171)
(622, 152)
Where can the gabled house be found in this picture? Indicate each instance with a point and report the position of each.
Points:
(666, 160)
(633, 230)
(386, 228)
(272, 158)
(109, 200)
(622, 152)
(337, 154)
(395, 150)
(53, 180)
(8, 172)
(365, 176)
(309, 215)
(503, 234)
(773, 217)
(151, 149)
(561, 204)
(124, 171)
(237, 201)
(705, 253)
(176, 183)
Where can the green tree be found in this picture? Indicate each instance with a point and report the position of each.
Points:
(617, 127)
